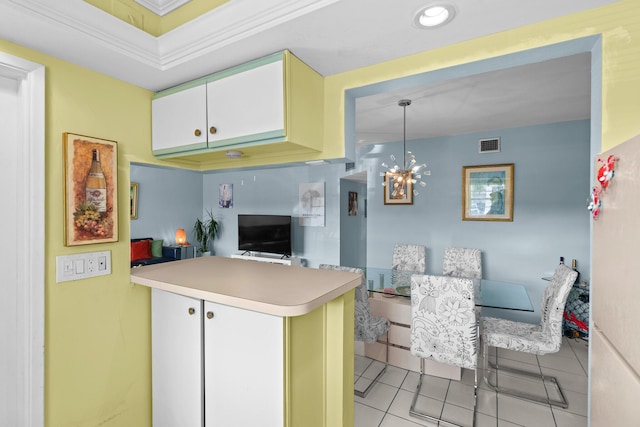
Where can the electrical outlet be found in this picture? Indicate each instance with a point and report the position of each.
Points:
(82, 266)
(92, 265)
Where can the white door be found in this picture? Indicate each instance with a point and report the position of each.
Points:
(176, 334)
(244, 367)
(22, 262)
(8, 259)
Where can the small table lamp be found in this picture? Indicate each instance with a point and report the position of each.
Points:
(181, 237)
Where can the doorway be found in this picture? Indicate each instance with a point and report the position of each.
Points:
(22, 262)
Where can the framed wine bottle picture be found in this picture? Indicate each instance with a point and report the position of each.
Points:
(91, 190)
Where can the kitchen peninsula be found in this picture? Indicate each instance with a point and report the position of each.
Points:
(239, 342)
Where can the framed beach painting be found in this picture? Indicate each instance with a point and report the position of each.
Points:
(91, 190)
(487, 193)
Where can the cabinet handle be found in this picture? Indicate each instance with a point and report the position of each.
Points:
(209, 314)
(197, 132)
(213, 130)
(192, 311)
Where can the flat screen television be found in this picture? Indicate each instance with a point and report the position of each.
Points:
(265, 233)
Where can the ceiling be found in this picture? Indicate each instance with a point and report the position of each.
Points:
(331, 36)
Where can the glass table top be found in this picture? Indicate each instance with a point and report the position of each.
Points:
(488, 293)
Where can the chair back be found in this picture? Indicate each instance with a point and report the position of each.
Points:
(362, 322)
(444, 326)
(462, 262)
(409, 257)
(553, 302)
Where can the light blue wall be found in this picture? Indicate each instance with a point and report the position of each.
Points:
(168, 199)
(353, 229)
(550, 216)
(551, 186)
(276, 191)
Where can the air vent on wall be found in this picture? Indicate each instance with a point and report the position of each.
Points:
(349, 165)
(491, 145)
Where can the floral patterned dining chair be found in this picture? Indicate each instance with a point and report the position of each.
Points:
(409, 257)
(444, 328)
(462, 262)
(368, 328)
(540, 339)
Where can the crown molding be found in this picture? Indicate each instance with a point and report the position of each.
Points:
(229, 23)
(162, 7)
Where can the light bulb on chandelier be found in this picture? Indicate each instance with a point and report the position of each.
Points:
(407, 177)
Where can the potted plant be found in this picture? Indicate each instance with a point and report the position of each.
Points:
(205, 231)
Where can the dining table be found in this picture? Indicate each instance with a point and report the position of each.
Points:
(488, 293)
(390, 297)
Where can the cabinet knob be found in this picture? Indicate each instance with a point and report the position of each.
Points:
(213, 130)
(209, 314)
(197, 132)
(192, 311)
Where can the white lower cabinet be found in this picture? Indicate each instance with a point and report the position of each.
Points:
(177, 381)
(220, 366)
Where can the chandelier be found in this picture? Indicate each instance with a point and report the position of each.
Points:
(404, 180)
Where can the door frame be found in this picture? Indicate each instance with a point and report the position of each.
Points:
(30, 250)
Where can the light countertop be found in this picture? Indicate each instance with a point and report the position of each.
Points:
(267, 288)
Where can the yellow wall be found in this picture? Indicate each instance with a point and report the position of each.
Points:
(97, 332)
(97, 343)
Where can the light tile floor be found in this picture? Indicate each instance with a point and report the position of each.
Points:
(387, 404)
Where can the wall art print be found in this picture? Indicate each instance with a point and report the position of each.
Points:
(311, 204)
(225, 195)
(487, 193)
(133, 200)
(91, 190)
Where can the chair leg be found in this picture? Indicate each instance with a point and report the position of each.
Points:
(440, 421)
(364, 393)
(562, 403)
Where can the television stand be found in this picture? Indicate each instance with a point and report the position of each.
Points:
(271, 258)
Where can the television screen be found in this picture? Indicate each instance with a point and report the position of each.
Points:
(265, 233)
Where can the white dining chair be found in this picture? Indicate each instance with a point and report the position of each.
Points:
(409, 257)
(540, 339)
(462, 262)
(444, 328)
(368, 328)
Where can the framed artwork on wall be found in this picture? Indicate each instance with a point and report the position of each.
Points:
(397, 191)
(353, 203)
(225, 195)
(487, 193)
(91, 190)
(133, 200)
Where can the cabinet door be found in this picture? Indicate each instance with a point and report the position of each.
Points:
(246, 106)
(176, 333)
(177, 119)
(244, 367)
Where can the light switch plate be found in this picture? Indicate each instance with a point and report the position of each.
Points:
(82, 266)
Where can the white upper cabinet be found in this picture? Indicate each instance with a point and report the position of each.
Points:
(267, 108)
(179, 120)
(246, 106)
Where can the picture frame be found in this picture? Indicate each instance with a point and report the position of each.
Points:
(91, 190)
(225, 196)
(487, 192)
(390, 181)
(352, 208)
(133, 200)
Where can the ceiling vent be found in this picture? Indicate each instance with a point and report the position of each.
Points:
(491, 145)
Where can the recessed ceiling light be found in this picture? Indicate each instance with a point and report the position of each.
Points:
(434, 15)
